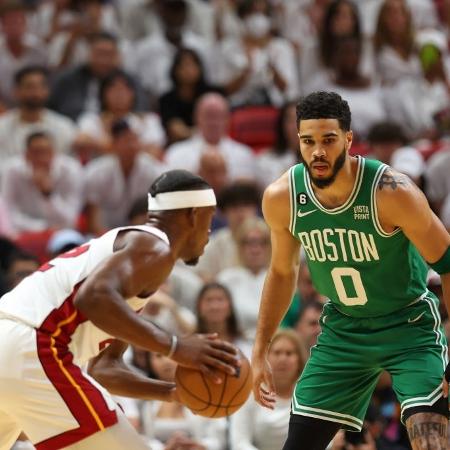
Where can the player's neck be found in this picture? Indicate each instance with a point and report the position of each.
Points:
(339, 191)
(172, 230)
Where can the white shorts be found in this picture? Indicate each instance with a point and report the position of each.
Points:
(44, 394)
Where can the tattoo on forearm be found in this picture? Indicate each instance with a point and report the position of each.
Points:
(428, 433)
(389, 180)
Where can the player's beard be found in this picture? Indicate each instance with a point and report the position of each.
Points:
(322, 183)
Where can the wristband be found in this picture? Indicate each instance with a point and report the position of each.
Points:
(442, 266)
(173, 346)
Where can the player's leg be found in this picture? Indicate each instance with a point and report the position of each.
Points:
(117, 437)
(428, 430)
(308, 433)
(417, 367)
(336, 385)
(10, 431)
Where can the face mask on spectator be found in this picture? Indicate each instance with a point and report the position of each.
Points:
(257, 25)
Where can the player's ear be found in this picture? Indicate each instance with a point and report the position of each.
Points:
(193, 216)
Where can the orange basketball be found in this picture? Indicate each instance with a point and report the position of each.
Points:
(206, 398)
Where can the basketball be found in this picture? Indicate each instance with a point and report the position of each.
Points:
(206, 398)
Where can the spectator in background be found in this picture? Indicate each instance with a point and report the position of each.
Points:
(42, 189)
(20, 265)
(212, 115)
(341, 19)
(245, 281)
(213, 169)
(118, 100)
(431, 90)
(394, 43)
(162, 46)
(6, 229)
(274, 162)
(256, 428)
(437, 181)
(387, 143)
(383, 139)
(64, 240)
(69, 46)
(257, 68)
(177, 105)
(31, 92)
(236, 203)
(308, 326)
(18, 48)
(216, 314)
(163, 310)
(363, 94)
(76, 90)
(115, 181)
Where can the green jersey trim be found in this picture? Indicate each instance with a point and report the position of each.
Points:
(373, 204)
(351, 198)
(292, 199)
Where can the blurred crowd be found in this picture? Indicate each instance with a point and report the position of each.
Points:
(99, 97)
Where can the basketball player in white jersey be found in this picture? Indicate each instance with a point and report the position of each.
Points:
(66, 314)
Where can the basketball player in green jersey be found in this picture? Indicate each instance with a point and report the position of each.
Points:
(366, 231)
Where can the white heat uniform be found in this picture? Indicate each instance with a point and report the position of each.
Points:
(44, 342)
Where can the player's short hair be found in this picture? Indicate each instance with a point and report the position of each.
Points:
(324, 105)
(30, 70)
(177, 180)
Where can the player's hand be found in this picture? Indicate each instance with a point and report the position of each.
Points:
(263, 384)
(209, 354)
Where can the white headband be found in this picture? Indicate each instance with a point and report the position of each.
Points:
(181, 199)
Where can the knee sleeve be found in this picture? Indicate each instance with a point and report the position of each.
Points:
(308, 433)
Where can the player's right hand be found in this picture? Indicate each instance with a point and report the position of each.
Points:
(263, 384)
(209, 354)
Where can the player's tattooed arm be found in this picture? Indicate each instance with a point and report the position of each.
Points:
(427, 431)
(393, 180)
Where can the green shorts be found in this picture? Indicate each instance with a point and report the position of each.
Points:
(342, 372)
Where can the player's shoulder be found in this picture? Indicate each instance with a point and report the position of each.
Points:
(140, 243)
(396, 192)
(276, 200)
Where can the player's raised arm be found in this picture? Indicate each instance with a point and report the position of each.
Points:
(279, 284)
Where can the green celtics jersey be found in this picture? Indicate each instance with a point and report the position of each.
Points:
(363, 270)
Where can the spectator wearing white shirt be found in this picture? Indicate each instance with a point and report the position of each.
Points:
(258, 68)
(32, 92)
(43, 189)
(211, 116)
(285, 153)
(69, 45)
(256, 428)
(162, 46)
(396, 58)
(18, 47)
(437, 181)
(237, 203)
(114, 182)
(417, 102)
(246, 281)
(118, 97)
